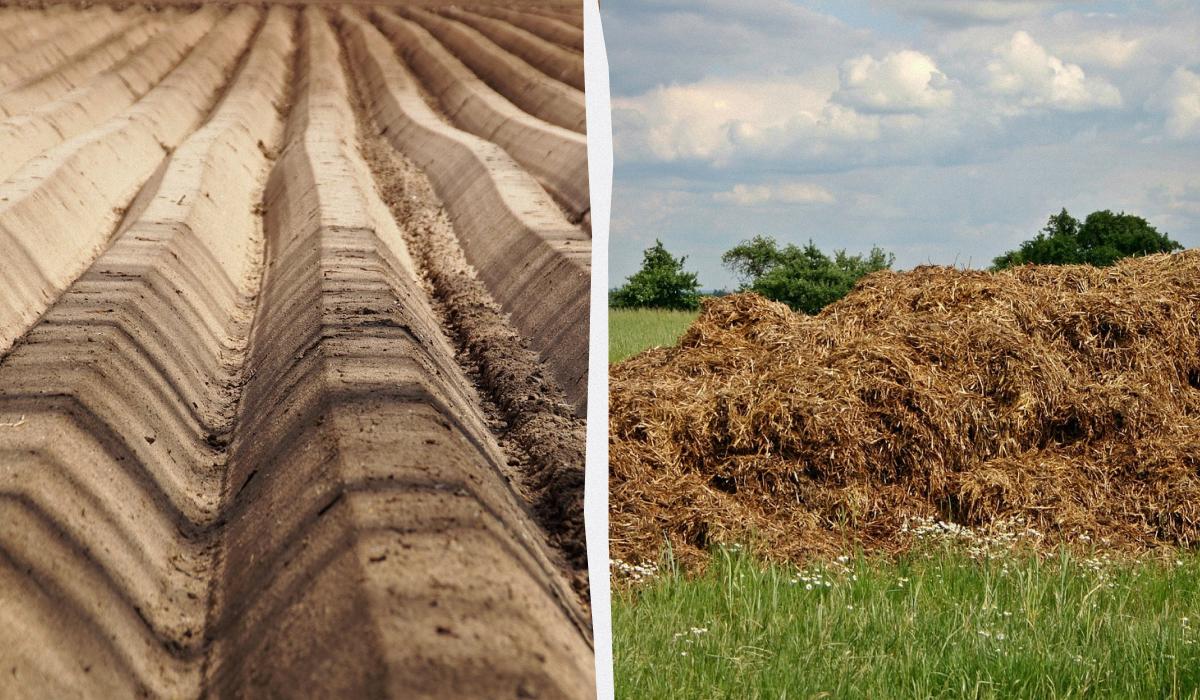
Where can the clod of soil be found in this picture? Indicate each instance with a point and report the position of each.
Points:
(1066, 396)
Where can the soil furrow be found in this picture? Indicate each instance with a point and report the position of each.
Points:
(83, 67)
(366, 506)
(510, 75)
(499, 212)
(111, 484)
(54, 51)
(555, 61)
(547, 463)
(57, 212)
(21, 29)
(553, 30)
(249, 445)
(571, 14)
(555, 156)
(25, 136)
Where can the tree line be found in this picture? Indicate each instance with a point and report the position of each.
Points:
(808, 280)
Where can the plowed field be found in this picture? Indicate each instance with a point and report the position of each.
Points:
(293, 342)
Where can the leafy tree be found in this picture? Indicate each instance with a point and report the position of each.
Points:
(662, 283)
(1101, 239)
(752, 259)
(804, 278)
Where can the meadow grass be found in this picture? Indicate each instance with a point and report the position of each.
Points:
(934, 624)
(631, 331)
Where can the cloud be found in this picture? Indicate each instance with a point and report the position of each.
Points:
(973, 11)
(715, 140)
(903, 81)
(717, 120)
(652, 42)
(780, 193)
(1179, 100)
(1023, 70)
(1108, 49)
(1176, 198)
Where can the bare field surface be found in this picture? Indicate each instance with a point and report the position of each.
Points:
(292, 354)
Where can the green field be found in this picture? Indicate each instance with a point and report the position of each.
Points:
(632, 330)
(939, 625)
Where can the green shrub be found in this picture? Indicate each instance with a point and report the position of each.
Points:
(1101, 239)
(662, 283)
(804, 278)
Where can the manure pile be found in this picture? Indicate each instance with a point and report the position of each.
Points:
(255, 440)
(1066, 396)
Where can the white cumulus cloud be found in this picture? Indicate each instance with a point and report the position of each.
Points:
(1024, 71)
(718, 120)
(780, 193)
(902, 81)
(1179, 100)
(1110, 49)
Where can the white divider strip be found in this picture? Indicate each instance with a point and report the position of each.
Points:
(600, 173)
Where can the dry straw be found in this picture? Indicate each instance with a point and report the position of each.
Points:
(1069, 396)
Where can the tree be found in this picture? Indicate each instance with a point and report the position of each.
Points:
(1101, 239)
(662, 283)
(752, 259)
(804, 278)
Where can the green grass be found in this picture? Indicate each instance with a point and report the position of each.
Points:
(938, 625)
(631, 331)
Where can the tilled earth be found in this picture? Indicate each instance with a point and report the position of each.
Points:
(293, 346)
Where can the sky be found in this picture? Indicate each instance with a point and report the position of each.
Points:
(944, 131)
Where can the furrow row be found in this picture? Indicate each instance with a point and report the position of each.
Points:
(535, 263)
(552, 59)
(572, 14)
(366, 506)
(556, 30)
(557, 157)
(527, 87)
(25, 136)
(127, 388)
(53, 51)
(22, 28)
(83, 67)
(238, 453)
(58, 211)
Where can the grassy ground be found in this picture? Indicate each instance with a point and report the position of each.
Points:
(632, 330)
(936, 625)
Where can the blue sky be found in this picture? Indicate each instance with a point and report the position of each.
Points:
(945, 131)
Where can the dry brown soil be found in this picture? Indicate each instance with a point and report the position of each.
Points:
(292, 353)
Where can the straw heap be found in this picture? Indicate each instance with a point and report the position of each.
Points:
(1067, 396)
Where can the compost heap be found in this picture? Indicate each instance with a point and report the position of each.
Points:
(1066, 396)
